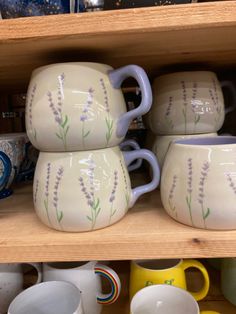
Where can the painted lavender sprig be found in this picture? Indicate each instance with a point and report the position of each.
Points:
(126, 193)
(36, 191)
(61, 119)
(185, 103)
(168, 113)
(197, 116)
(109, 121)
(190, 189)
(84, 115)
(231, 182)
(30, 105)
(204, 173)
(93, 203)
(59, 213)
(113, 195)
(215, 100)
(47, 191)
(171, 195)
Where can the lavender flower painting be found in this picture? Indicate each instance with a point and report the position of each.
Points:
(168, 113)
(201, 196)
(59, 214)
(36, 191)
(84, 115)
(89, 194)
(108, 119)
(112, 196)
(190, 189)
(60, 118)
(47, 191)
(126, 192)
(171, 195)
(185, 103)
(231, 183)
(30, 105)
(215, 100)
(197, 116)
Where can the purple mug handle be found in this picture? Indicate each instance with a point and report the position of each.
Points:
(151, 159)
(133, 144)
(117, 77)
(230, 86)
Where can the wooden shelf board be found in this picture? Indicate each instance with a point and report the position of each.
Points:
(145, 232)
(154, 37)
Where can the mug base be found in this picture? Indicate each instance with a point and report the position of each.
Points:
(5, 193)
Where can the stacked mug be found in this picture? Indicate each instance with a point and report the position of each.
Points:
(187, 105)
(76, 116)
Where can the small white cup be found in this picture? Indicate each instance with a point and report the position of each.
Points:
(55, 297)
(164, 299)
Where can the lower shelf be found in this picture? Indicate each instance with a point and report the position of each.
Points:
(214, 300)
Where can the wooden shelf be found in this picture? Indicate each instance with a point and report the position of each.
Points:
(157, 38)
(214, 301)
(145, 232)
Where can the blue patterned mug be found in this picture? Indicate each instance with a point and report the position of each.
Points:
(80, 106)
(87, 190)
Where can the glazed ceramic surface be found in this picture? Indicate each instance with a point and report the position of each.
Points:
(188, 103)
(80, 106)
(162, 143)
(86, 277)
(228, 279)
(54, 297)
(11, 283)
(12, 145)
(164, 299)
(88, 190)
(172, 272)
(197, 177)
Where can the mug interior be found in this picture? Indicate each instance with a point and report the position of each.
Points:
(163, 299)
(47, 298)
(218, 140)
(66, 265)
(158, 264)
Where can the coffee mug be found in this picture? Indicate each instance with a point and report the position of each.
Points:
(198, 175)
(11, 282)
(87, 190)
(165, 299)
(80, 106)
(228, 279)
(12, 153)
(130, 144)
(150, 272)
(87, 278)
(189, 103)
(162, 143)
(54, 297)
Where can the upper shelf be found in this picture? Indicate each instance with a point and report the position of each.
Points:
(146, 232)
(157, 38)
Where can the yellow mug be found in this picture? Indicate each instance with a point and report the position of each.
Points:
(172, 272)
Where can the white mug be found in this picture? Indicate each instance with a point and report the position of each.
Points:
(189, 103)
(11, 282)
(165, 299)
(80, 106)
(55, 297)
(87, 277)
(87, 190)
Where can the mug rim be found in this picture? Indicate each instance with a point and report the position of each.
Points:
(184, 73)
(85, 263)
(135, 262)
(210, 141)
(163, 286)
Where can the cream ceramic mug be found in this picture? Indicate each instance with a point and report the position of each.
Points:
(80, 106)
(54, 297)
(162, 143)
(189, 103)
(198, 176)
(86, 276)
(165, 299)
(11, 282)
(87, 190)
